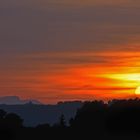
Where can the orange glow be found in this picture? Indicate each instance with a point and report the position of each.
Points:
(61, 50)
(105, 81)
(115, 76)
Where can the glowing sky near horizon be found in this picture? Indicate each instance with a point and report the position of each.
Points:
(59, 50)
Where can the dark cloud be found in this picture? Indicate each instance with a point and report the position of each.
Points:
(30, 26)
(51, 26)
(94, 28)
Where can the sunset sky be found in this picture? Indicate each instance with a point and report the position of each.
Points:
(59, 50)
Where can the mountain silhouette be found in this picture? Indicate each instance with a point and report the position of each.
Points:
(13, 100)
(34, 114)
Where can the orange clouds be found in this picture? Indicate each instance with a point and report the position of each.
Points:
(110, 79)
(69, 49)
(51, 77)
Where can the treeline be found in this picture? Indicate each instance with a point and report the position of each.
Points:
(117, 119)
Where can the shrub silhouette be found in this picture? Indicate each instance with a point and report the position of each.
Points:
(12, 120)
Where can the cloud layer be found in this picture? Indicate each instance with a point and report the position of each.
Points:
(39, 37)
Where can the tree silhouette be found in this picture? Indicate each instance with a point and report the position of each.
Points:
(12, 120)
(96, 119)
(62, 121)
(90, 116)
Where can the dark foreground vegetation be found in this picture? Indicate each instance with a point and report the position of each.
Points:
(116, 120)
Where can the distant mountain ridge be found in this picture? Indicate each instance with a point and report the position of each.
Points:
(15, 100)
(34, 112)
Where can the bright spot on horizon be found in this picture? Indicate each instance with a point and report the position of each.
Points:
(137, 91)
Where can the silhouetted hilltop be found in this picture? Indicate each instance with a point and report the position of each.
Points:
(34, 114)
